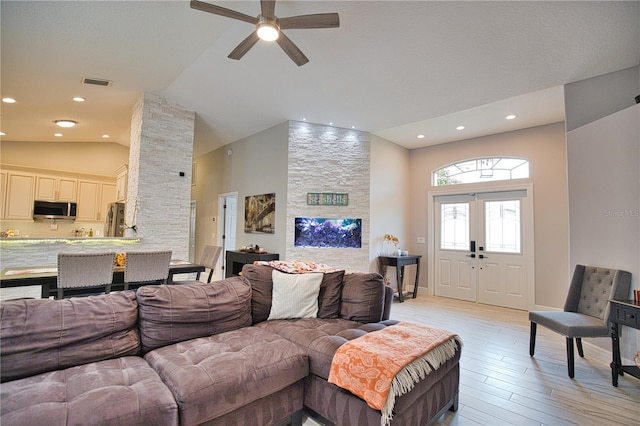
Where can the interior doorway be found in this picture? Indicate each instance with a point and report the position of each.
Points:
(482, 246)
(228, 214)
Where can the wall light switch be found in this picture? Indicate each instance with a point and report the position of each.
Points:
(54, 227)
(420, 240)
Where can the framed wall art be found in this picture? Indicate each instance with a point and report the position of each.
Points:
(260, 213)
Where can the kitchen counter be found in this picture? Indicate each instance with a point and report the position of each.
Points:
(65, 239)
(20, 251)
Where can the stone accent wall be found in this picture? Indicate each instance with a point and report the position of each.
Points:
(161, 147)
(328, 159)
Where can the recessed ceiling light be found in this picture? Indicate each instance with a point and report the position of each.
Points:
(106, 136)
(353, 127)
(511, 116)
(420, 136)
(79, 99)
(65, 123)
(460, 128)
(8, 100)
(3, 134)
(57, 135)
(330, 123)
(304, 119)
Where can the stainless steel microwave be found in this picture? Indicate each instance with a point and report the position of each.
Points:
(54, 210)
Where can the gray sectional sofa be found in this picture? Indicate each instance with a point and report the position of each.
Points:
(198, 354)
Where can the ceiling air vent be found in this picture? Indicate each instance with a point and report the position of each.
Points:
(96, 81)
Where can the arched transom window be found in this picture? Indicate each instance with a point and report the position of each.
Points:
(482, 170)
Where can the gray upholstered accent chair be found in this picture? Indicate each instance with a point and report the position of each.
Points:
(84, 270)
(146, 267)
(586, 310)
(209, 259)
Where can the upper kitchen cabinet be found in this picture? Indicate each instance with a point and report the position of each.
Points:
(52, 188)
(93, 199)
(19, 195)
(121, 183)
(88, 201)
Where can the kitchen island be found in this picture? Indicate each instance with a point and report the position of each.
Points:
(18, 252)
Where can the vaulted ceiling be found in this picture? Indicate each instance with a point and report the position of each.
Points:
(393, 68)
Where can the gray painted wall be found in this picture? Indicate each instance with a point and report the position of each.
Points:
(604, 200)
(545, 148)
(597, 97)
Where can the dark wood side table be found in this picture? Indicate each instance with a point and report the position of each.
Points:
(622, 312)
(400, 262)
(237, 259)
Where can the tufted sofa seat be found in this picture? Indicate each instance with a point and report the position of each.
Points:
(320, 337)
(70, 396)
(239, 367)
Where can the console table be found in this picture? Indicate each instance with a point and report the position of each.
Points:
(400, 262)
(237, 259)
(622, 312)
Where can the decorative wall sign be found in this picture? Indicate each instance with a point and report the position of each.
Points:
(260, 213)
(327, 199)
(332, 233)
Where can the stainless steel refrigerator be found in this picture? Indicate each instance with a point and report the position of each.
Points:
(114, 220)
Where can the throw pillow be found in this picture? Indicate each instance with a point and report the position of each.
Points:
(330, 295)
(295, 295)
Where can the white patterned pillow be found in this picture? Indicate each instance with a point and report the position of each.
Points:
(295, 295)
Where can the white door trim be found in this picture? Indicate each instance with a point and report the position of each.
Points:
(528, 228)
(220, 230)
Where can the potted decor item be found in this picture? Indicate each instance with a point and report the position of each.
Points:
(129, 231)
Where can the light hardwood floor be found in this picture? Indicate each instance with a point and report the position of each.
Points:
(500, 384)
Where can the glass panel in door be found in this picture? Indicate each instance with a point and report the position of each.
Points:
(502, 271)
(454, 267)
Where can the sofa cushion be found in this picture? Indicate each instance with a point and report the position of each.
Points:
(321, 337)
(122, 391)
(40, 335)
(170, 314)
(214, 375)
(363, 297)
(294, 295)
(259, 277)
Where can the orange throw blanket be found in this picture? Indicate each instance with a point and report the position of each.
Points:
(383, 365)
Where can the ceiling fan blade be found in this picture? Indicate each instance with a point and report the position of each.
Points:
(319, 20)
(244, 46)
(292, 50)
(217, 10)
(268, 8)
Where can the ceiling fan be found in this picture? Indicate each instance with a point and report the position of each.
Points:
(269, 27)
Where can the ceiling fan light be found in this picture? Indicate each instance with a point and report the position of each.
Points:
(267, 32)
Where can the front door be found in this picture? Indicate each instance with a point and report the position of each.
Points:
(483, 253)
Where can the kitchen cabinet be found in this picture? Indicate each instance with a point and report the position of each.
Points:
(121, 184)
(19, 195)
(52, 188)
(88, 201)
